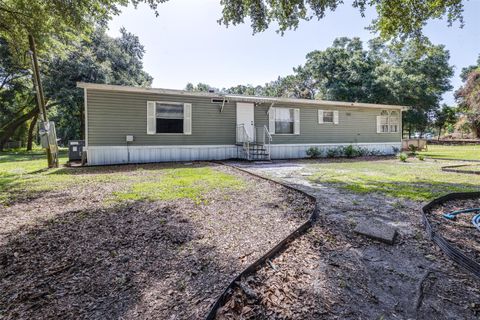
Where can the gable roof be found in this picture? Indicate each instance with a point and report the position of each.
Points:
(234, 97)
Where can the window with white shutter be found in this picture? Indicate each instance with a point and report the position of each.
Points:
(169, 117)
(327, 116)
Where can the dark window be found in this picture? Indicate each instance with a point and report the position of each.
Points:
(169, 118)
(328, 116)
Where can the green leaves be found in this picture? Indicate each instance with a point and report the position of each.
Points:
(397, 20)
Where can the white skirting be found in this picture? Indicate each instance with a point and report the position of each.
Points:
(104, 155)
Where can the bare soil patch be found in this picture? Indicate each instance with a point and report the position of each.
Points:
(460, 232)
(68, 254)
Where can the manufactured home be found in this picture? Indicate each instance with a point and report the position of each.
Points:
(138, 125)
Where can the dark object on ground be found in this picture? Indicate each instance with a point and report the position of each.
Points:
(461, 169)
(75, 149)
(377, 230)
(451, 250)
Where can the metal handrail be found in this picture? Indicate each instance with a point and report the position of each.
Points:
(245, 139)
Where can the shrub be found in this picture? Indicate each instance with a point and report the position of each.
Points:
(350, 151)
(314, 152)
(395, 150)
(413, 149)
(402, 157)
(332, 153)
(421, 157)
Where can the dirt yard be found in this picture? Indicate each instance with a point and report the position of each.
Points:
(333, 273)
(135, 242)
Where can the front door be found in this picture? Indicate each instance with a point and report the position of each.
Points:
(245, 118)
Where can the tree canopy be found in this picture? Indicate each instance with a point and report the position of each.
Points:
(347, 71)
(100, 59)
(399, 19)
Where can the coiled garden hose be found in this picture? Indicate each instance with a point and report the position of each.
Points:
(475, 220)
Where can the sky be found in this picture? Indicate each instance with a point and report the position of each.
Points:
(186, 44)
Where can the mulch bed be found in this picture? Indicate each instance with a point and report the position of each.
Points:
(68, 255)
(459, 232)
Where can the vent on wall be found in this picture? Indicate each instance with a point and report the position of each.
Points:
(219, 100)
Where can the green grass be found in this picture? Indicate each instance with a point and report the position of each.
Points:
(416, 180)
(25, 174)
(465, 152)
(187, 183)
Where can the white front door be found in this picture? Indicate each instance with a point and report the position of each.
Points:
(245, 118)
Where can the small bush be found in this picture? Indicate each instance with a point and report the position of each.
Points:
(332, 153)
(350, 151)
(413, 149)
(314, 152)
(421, 157)
(402, 157)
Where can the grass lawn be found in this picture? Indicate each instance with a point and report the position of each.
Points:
(415, 179)
(466, 152)
(25, 173)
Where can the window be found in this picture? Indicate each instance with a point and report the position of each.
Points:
(394, 121)
(328, 116)
(388, 122)
(284, 121)
(169, 117)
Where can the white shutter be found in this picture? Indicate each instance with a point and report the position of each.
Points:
(320, 116)
(271, 120)
(379, 124)
(296, 124)
(187, 118)
(151, 118)
(335, 117)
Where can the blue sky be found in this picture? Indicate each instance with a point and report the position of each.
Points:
(186, 44)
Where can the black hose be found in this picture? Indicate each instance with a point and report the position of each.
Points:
(449, 249)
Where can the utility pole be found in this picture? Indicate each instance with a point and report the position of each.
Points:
(47, 130)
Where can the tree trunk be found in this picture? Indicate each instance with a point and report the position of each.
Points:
(439, 133)
(31, 130)
(8, 130)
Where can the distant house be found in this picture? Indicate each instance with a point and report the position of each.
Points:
(139, 125)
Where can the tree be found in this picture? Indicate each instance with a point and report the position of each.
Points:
(55, 23)
(444, 117)
(400, 19)
(101, 59)
(347, 71)
(468, 96)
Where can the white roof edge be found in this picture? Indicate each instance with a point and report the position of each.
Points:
(240, 98)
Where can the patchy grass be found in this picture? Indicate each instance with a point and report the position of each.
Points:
(416, 180)
(25, 175)
(183, 183)
(466, 152)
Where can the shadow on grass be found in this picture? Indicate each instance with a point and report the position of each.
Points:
(136, 261)
(123, 168)
(420, 190)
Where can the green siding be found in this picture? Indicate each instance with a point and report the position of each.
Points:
(113, 115)
(360, 125)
